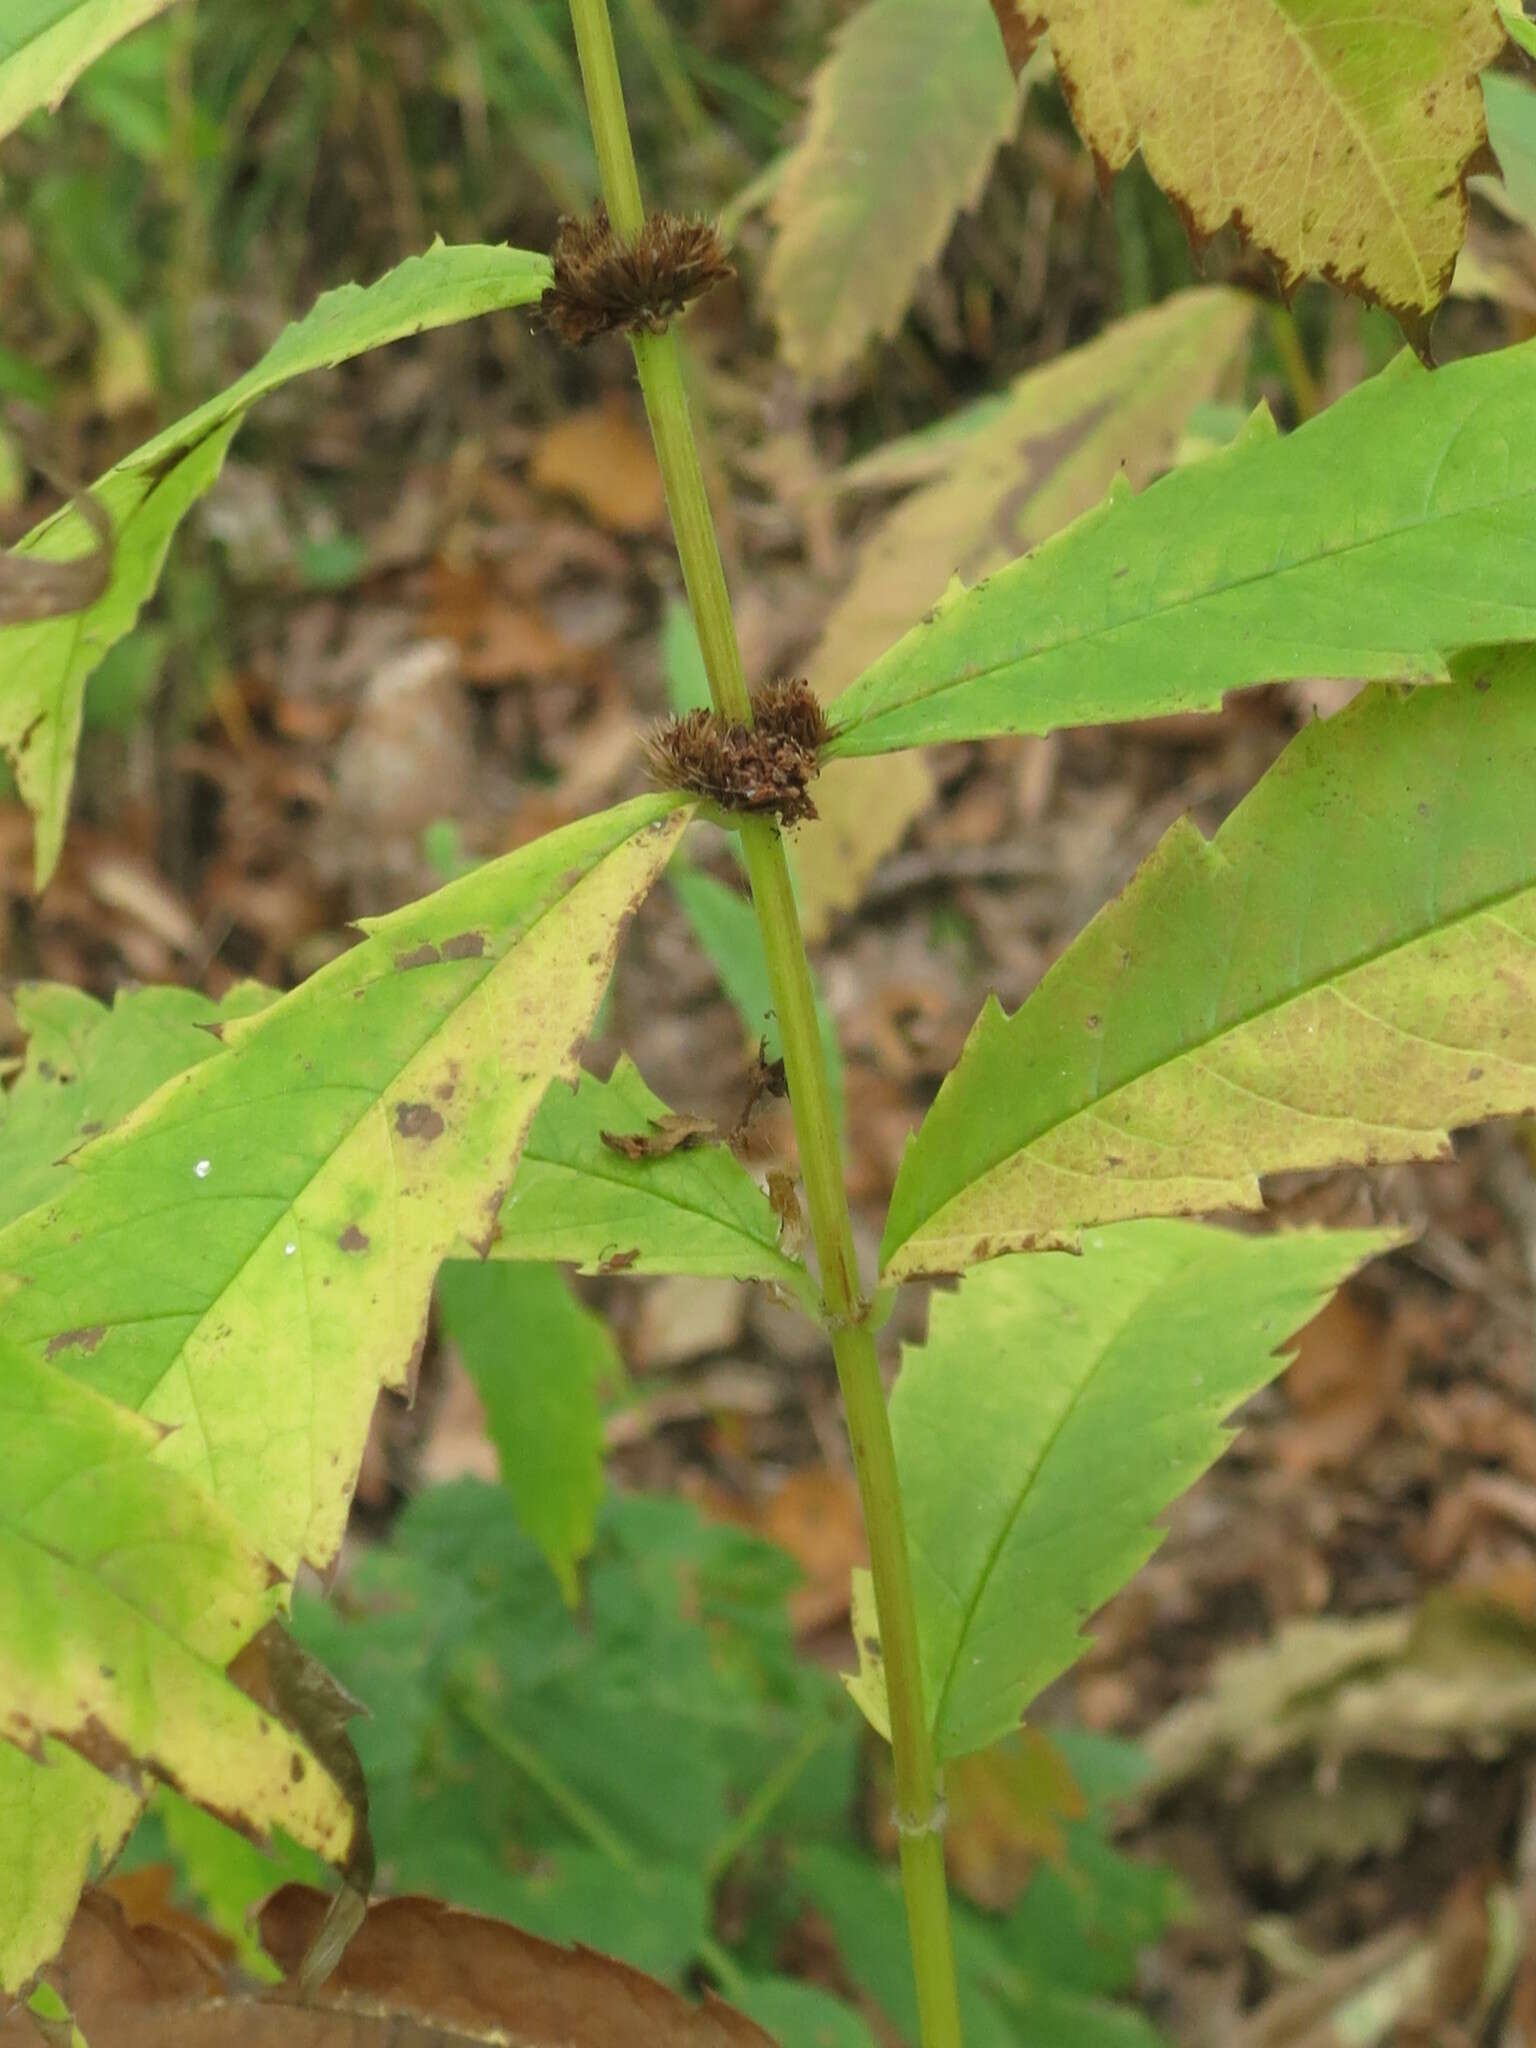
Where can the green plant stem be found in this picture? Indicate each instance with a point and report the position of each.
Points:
(918, 1795)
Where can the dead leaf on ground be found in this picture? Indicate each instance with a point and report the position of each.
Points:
(603, 459)
(1349, 1371)
(417, 1974)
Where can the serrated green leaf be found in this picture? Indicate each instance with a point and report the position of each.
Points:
(46, 44)
(87, 1066)
(55, 1815)
(906, 116)
(1393, 530)
(1335, 136)
(1343, 974)
(148, 493)
(251, 1253)
(124, 1593)
(1030, 1487)
(1049, 449)
(1052, 445)
(577, 1200)
(538, 1358)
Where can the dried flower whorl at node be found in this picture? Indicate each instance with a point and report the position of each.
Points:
(768, 766)
(603, 282)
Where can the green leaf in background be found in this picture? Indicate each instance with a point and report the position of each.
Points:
(1336, 137)
(1039, 456)
(56, 1815)
(583, 1777)
(577, 1200)
(47, 664)
(87, 1066)
(1512, 131)
(46, 44)
(1379, 539)
(801, 2014)
(1519, 25)
(252, 1252)
(727, 929)
(1343, 974)
(124, 1593)
(1057, 1407)
(1003, 2001)
(538, 1358)
(906, 116)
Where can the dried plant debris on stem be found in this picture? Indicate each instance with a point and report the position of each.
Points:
(766, 766)
(604, 283)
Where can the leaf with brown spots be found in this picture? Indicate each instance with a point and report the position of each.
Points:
(125, 1593)
(1337, 136)
(415, 1971)
(257, 1241)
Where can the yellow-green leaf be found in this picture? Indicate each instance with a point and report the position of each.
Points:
(56, 1814)
(1335, 134)
(46, 44)
(47, 663)
(1343, 974)
(906, 116)
(250, 1254)
(124, 1593)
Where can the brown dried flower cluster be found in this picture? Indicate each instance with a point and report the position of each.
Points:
(603, 282)
(767, 766)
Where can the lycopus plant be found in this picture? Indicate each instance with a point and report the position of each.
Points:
(221, 1226)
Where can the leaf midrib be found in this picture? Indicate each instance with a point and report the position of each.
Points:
(1026, 1487)
(1484, 908)
(1039, 649)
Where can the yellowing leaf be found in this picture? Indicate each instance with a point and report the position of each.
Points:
(124, 1593)
(46, 44)
(47, 663)
(906, 116)
(55, 1814)
(1344, 973)
(1336, 134)
(250, 1254)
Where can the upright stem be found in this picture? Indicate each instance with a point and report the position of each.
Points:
(918, 1797)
